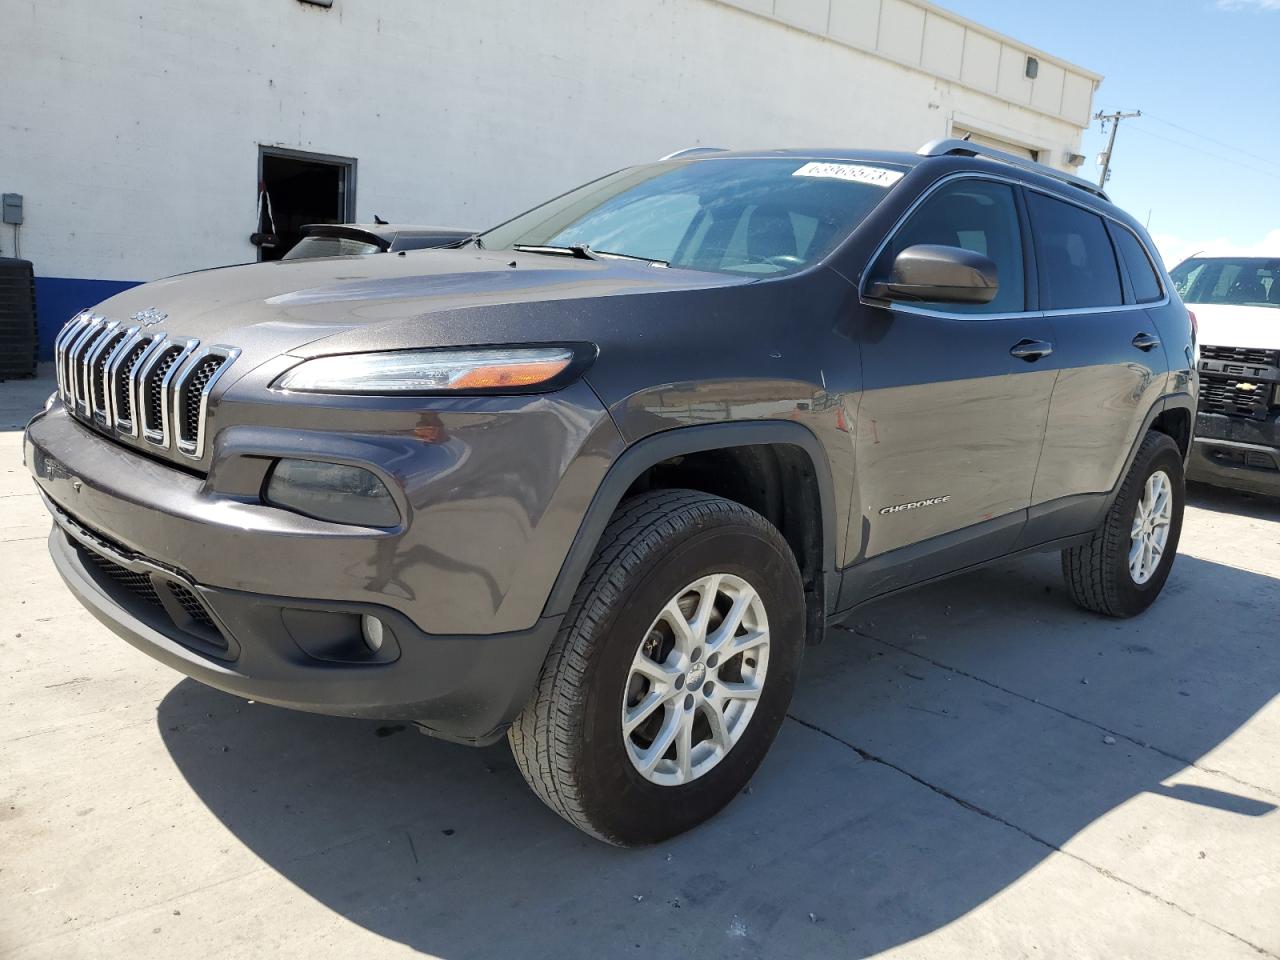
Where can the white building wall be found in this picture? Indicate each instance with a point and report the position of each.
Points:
(132, 127)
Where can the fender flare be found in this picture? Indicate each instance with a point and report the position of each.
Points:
(1170, 401)
(643, 454)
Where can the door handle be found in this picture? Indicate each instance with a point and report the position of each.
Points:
(1145, 341)
(1031, 350)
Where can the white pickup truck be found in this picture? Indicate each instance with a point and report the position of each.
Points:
(1236, 301)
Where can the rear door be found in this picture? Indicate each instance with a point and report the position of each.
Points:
(951, 421)
(1112, 362)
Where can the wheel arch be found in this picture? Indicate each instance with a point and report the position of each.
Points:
(765, 458)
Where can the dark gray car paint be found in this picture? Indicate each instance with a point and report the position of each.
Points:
(503, 498)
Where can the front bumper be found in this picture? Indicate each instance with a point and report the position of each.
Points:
(1238, 453)
(265, 604)
(465, 688)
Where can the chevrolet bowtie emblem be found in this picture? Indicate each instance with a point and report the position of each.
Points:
(150, 317)
(1247, 387)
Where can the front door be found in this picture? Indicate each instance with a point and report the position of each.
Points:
(952, 417)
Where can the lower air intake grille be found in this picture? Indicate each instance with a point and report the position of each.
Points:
(195, 610)
(139, 584)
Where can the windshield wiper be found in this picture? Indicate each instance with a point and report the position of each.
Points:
(579, 250)
(631, 256)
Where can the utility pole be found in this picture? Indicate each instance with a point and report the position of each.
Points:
(1105, 158)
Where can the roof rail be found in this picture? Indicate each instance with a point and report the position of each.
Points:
(691, 152)
(967, 148)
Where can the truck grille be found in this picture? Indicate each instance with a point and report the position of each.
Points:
(1266, 358)
(148, 386)
(1236, 393)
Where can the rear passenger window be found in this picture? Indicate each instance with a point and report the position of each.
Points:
(1077, 263)
(976, 215)
(1146, 285)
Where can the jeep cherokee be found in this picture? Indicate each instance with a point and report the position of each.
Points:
(593, 481)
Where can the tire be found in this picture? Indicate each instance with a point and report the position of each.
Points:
(569, 741)
(1098, 573)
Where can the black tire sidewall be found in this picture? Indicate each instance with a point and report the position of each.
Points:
(1135, 597)
(640, 811)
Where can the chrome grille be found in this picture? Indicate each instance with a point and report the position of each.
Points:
(148, 386)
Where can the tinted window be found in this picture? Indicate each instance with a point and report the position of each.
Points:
(976, 215)
(309, 248)
(1146, 285)
(1245, 281)
(734, 215)
(1077, 264)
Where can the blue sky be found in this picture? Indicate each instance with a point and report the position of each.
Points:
(1206, 74)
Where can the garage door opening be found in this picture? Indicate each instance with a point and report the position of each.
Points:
(1017, 149)
(302, 188)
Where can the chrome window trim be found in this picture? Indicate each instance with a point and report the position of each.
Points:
(195, 449)
(1021, 314)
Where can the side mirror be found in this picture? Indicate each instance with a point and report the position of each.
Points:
(933, 273)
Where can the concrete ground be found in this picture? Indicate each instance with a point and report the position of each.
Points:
(975, 770)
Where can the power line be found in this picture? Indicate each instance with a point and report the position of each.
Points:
(1203, 136)
(1207, 153)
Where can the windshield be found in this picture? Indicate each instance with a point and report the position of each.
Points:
(742, 216)
(309, 248)
(1244, 281)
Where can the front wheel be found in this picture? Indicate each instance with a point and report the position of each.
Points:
(1122, 570)
(672, 672)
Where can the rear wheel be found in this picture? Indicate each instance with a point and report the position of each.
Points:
(1123, 568)
(672, 672)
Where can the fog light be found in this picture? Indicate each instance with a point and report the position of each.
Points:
(371, 627)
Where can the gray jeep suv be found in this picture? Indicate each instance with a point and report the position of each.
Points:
(594, 480)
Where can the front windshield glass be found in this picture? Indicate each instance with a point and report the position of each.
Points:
(742, 216)
(1242, 281)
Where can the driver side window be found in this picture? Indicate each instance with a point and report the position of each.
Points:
(976, 215)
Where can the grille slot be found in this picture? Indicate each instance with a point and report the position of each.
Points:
(101, 356)
(189, 413)
(122, 374)
(1266, 358)
(152, 394)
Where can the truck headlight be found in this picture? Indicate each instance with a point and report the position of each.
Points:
(470, 370)
(336, 492)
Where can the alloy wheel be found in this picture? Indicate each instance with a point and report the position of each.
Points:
(695, 680)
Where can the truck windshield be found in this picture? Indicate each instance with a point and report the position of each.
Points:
(1243, 281)
(764, 216)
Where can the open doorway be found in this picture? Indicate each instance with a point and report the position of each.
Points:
(303, 188)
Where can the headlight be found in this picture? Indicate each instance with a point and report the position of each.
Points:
(432, 371)
(332, 491)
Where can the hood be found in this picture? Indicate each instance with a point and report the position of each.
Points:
(1228, 325)
(267, 309)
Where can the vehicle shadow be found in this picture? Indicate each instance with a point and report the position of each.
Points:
(444, 849)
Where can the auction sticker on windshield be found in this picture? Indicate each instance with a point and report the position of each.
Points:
(855, 172)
